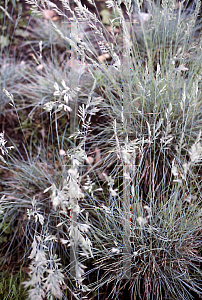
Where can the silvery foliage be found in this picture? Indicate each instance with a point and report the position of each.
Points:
(3, 142)
(158, 128)
(45, 274)
(195, 155)
(68, 196)
(64, 95)
(3, 147)
(4, 150)
(46, 277)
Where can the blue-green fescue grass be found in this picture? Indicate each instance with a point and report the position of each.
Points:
(34, 217)
(40, 221)
(43, 31)
(150, 137)
(164, 258)
(11, 76)
(7, 24)
(11, 69)
(157, 112)
(40, 83)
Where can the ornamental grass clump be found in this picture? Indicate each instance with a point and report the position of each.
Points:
(160, 259)
(37, 209)
(43, 84)
(151, 101)
(42, 207)
(153, 96)
(43, 31)
(25, 183)
(151, 87)
(121, 209)
(12, 74)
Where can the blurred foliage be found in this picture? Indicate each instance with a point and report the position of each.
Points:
(11, 286)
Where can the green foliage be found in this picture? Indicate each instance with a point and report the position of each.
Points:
(5, 229)
(7, 23)
(11, 286)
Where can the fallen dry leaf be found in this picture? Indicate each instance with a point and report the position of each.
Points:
(103, 57)
(102, 176)
(48, 14)
(40, 67)
(55, 18)
(62, 152)
(90, 160)
(97, 155)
